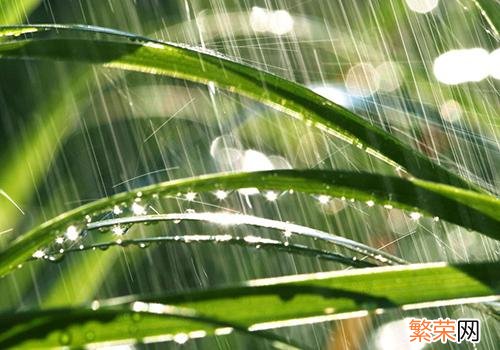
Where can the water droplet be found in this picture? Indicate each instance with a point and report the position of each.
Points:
(370, 203)
(220, 194)
(72, 233)
(381, 258)
(38, 254)
(118, 230)
(136, 317)
(181, 338)
(415, 215)
(132, 330)
(223, 331)
(197, 334)
(55, 258)
(323, 199)
(211, 87)
(222, 238)
(117, 210)
(64, 338)
(138, 209)
(190, 196)
(271, 196)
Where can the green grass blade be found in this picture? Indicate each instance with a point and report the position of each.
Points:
(257, 305)
(260, 242)
(472, 210)
(149, 56)
(489, 9)
(228, 219)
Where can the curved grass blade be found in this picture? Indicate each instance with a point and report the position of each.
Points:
(240, 219)
(57, 298)
(39, 335)
(466, 208)
(255, 241)
(257, 305)
(151, 56)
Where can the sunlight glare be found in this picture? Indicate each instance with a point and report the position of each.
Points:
(422, 6)
(461, 66)
(277, 22)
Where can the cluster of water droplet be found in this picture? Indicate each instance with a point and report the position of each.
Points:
(73, 236)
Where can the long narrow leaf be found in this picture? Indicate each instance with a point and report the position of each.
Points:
(257, 305)
(151, 56)
(253, 241)
(240, 219)
(473, 210)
